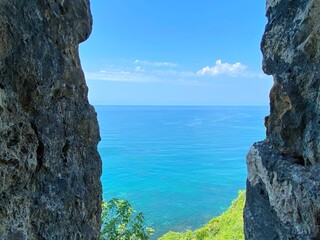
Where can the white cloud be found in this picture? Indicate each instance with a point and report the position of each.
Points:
(139, 72)
(139, 69)
(223, 68)
(169, 72)
(120, 76)
(156, 64)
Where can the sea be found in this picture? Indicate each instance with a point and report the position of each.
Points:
(179, 165)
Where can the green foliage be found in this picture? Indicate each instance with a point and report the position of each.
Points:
(227, 226)
(121, 222)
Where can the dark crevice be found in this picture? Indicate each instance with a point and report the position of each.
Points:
(65, 150)
(317, 235)
(40, 154)
(13, 141)
(299, 160)
(262, 192)
(11, 161)
(40, 148)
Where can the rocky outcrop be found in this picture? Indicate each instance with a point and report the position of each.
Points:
(49, 164)
(283, 186)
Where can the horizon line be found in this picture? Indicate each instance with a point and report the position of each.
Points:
(183, 105)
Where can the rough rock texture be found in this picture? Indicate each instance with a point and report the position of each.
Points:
(49, 164)
(283, 186)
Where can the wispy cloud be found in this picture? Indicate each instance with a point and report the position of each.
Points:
(155, 64)
(219, 68)
(142, 71)
(121, 76)
(139, 69)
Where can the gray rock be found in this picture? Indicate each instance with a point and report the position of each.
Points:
(49, 164)
(283, 186)
(291, 54)
(282, 196)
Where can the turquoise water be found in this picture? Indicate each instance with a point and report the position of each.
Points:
(180, 166)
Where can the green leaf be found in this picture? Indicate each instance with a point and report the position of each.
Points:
(120, 221)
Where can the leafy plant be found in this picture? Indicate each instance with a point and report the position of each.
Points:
(121, 222)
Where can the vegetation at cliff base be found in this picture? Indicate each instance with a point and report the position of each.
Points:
(121, 222)
(227, 226)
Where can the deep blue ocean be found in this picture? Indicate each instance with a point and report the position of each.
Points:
(179, 165)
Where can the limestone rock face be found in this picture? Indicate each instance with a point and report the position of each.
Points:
(49, 165)
(283, 186)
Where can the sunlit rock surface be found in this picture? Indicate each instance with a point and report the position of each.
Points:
(49, 164)
(283, 186)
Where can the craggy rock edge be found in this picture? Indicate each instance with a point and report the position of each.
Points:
(283, 197)
(283, 185)
(49, 164)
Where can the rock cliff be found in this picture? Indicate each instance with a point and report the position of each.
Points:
(49, 165)
(283, 185)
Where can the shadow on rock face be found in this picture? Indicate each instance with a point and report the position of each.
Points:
(49, 164)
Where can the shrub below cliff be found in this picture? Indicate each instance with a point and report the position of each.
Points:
(227, 226)
(121, 222)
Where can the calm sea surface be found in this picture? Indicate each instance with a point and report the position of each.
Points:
(180, 166)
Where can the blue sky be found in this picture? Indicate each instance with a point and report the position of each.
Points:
(170, 52)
